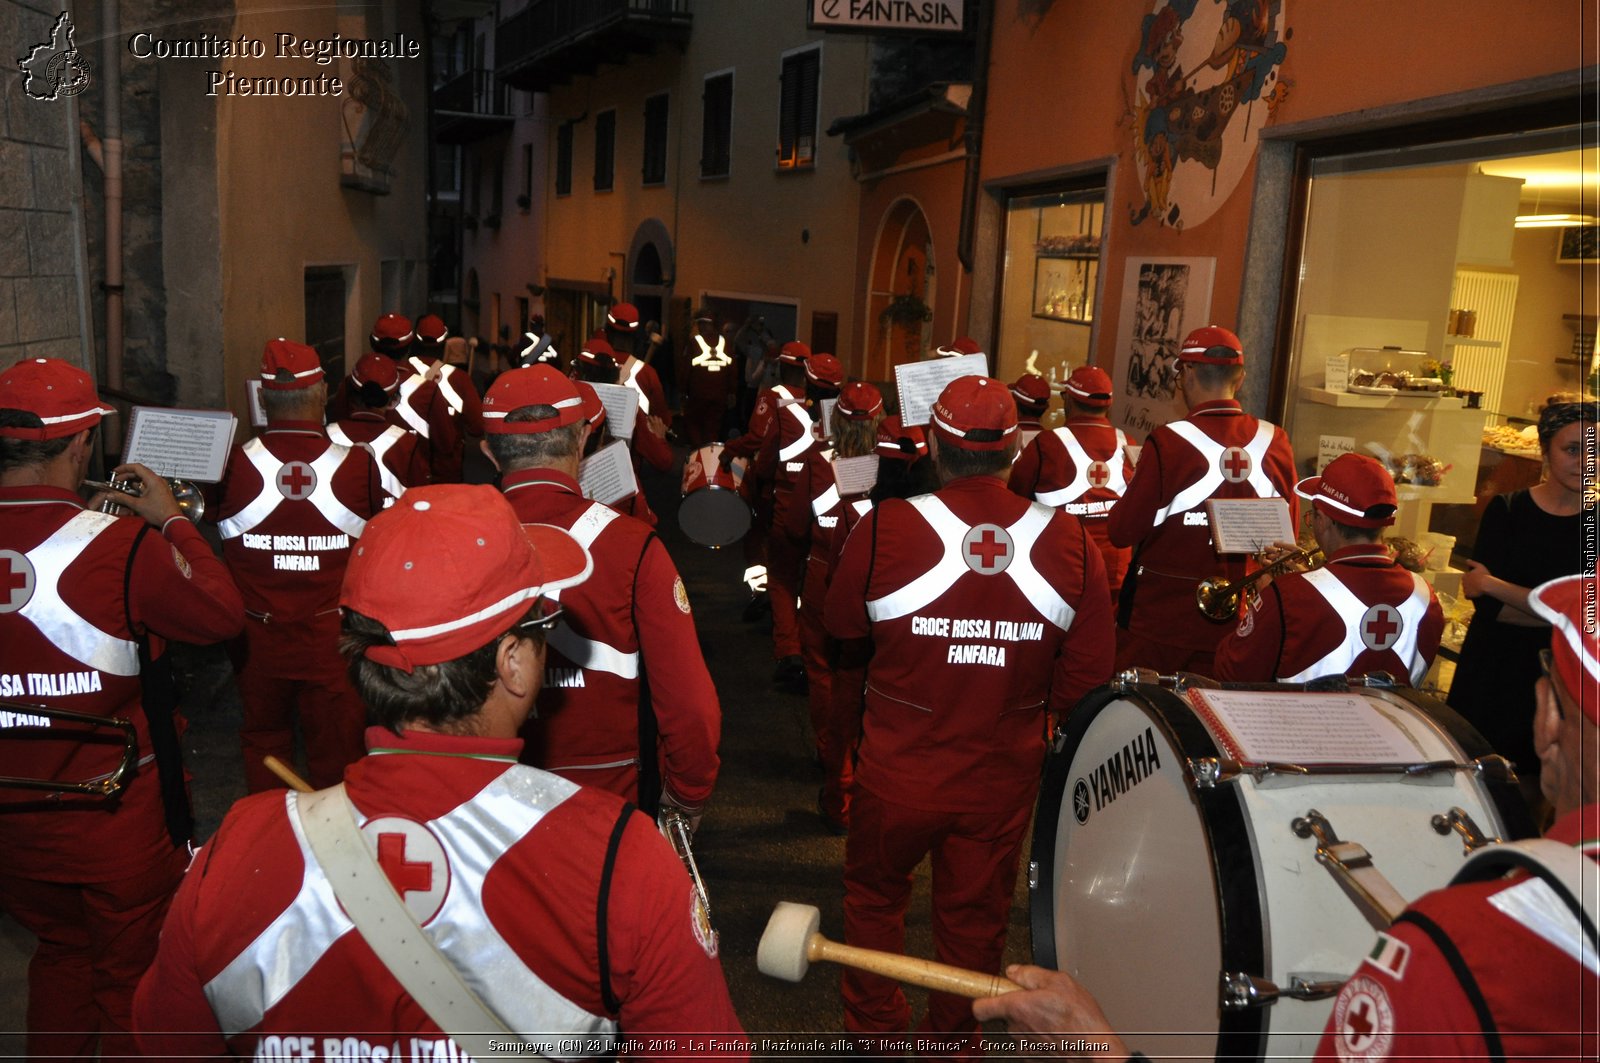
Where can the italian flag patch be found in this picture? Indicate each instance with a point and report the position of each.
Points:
(1390, 955)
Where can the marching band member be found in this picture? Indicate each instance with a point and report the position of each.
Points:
(1031, 392)
(985, 611)
(375, 385)
(780, 461)
(712, 387)
(596, 363)
(622, 332)
(453, 388)
(561, 909)
(1082, 467)
(906, 472)
(1360, 613)
(959, 346)
(624, 676)
(86, 600)
(821, 515)
(289, 507)
(1217, 451)
(540, 348)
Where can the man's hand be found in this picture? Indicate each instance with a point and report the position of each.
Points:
(154, 502)
(656, 425)
(670, 807)
(1051, 1002)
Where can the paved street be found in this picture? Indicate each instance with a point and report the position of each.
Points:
(761, 841)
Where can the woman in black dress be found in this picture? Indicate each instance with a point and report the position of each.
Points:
(1524, 539)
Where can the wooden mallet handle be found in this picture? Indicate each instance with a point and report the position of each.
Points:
(912, 970)
(286, 773)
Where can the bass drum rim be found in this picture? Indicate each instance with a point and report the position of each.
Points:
(1240, 1032)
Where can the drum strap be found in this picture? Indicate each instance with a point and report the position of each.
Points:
(1469, 984)
(602, 915)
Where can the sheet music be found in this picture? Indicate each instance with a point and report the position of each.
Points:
(855, 476)
(258, 411)
(919, 383)
(607, 474)
(622, 408)
(1249, 525)
(1302, 728)
(181, 444)
(827, 417)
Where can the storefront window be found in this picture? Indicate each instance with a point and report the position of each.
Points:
(1050, 291)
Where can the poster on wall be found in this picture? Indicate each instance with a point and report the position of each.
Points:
(1163, 300)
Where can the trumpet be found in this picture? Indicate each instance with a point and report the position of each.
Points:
(1218, 599)
(674, 825)
(191, 503)
(31, 718)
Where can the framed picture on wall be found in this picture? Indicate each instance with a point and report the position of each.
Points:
(1580, 243)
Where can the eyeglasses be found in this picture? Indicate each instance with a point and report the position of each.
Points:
(548, 613)
(1547, 663)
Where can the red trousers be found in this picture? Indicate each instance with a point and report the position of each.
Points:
(834, 699)
(702, 417)
(95, 941)
(785, 568)
(974, 856)
(317, 695)
(1137, 651)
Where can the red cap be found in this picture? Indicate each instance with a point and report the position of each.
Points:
(464, 537)
(892, 434)
(594, 411)
(534, 385)
(1353, 489)
(1089, 385)
(376, 369)
(859, 401)
(392, 334)
(596, 351)
(624, 316)
(1569, 604)
(794, 352)
(431, 330)
(973, 404)
(825, 371)
(58, 393)
(1031, 390)
(1212, 345)
(286, 366)
(958, 346)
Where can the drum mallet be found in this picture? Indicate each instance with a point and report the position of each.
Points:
(791, 943)
(290, 777)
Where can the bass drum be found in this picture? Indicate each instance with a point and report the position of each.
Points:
(1149, 886)
(713, 511)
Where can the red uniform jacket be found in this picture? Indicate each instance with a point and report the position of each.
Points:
(401, 462)
(712, 376)
(763, 422)
(1361, 613)
(289, 507)
(627, 628)
(985, 610)
(450, 406)
(505, 877)
(821, 516)
(1218, 451)
(1081, 468)
(1407, 1000)
(641, 376)
(78, 589)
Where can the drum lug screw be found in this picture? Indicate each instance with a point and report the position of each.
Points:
(1241, 990)
(1033, 875)
(1458, 820)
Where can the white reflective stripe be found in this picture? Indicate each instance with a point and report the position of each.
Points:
(337, 434)
(825, 501)
(1542, 911)
(263, 504)
(592, 654)
(1211, 451)
(328, 504)
(633, 382)
(452, 397)
(408, 413)
(713, 358)
(803, 444)
(1081, 461)
(861, 506)
(474, 835)
(1350, 610)
(951, 530)
(379, 448)
(55, 619)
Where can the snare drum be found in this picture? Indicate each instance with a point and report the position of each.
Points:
(1153, 884)
(713, 511)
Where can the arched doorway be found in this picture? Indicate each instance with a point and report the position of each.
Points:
(899, 320)
(650, 277)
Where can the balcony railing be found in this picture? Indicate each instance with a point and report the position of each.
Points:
(551, 41)
(470, 106)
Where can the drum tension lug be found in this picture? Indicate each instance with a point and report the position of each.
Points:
(1241, 990)
(1351, 866)
(1460, 821)
(1033, 875)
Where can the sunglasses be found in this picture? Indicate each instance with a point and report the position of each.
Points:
(543, 617)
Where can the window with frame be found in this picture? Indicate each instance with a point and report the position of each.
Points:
(605, 150)
(655, 140)
(564, 159)
(716, 125)
(797, 109)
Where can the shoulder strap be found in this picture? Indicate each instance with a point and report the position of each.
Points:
(601, 920)
(387, 925)
(1469, 984)
(1563, 868)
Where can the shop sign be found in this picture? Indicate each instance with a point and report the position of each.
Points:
(888, 16)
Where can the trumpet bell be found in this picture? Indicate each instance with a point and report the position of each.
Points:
(191, 503)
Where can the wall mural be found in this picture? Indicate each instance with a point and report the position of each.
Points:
(1205, 80)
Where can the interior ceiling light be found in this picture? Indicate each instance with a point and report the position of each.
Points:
(1554, 221)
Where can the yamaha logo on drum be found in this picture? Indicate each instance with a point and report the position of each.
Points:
(1121, 772)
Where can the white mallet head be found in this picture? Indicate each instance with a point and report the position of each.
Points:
(784, 949)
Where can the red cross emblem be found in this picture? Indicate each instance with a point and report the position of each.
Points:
(1099, 473)
(414, 862)
(1364, 1020)
(16, 581)
(1381, 626)
(987, 549)
(296, 480)
(1235, 464)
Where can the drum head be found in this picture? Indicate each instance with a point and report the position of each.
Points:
(713, 516)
